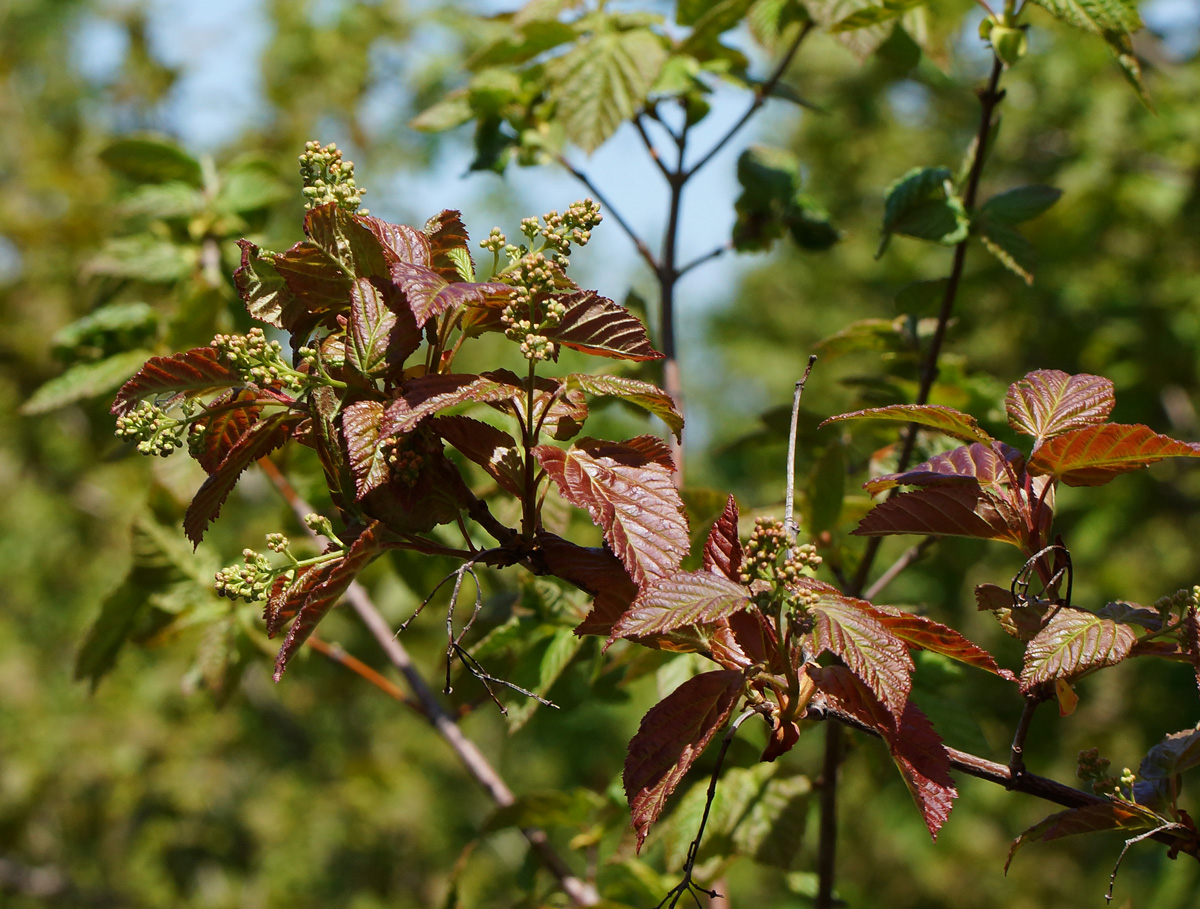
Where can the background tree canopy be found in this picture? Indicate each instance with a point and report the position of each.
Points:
(152, 762)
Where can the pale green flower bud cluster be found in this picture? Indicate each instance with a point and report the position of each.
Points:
(1178, 601)
(770, 555)
(328, 178)
(495, 241)
(406, 464)
(250, 581)
(259, 361)
(152, 428)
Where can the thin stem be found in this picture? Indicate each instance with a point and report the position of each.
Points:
(528, 503)
(581, 892)
(338, 654)
(707, 257)
(1016, 761)
(650, 147)
(638, 242)
(790, 527)
(827, 840)
(910, 555)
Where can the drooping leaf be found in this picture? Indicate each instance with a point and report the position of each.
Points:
(596, 325)
(195, 372)
(424, 396)
(367, 458)
(594, 570)
(448, 238)
(986, 465)
(923, 633)
(260, 439)
(229, 417)
(1111, 815)
(646, 395)
(722, 548)
(266, 295)
(149, 160)
(681, 599)
(948, 511)
(429, 294)
(852, 630)
(1175, 754)
(84, 380)
(924, 764)
(1073, 643)
(603, 80)
(324, 596)
(120, 613)
(671, 736)
(1049, 402)
(492, 449)
(318, 281)
(628, 490)
(1094, 455)
(944, 419)
(1021, 204)
(288, 595)
(1008, 245)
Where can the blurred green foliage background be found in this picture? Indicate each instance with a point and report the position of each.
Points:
(186, 778)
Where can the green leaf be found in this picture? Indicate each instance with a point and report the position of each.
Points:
(770, 19)
(1121, 48)
(250, 186)
(114, 323)
(152, 161)
(84, 380)
(531, 39)
(451, 111)
(1007, 244)
(1021, 204)
(119, 616)
(603, 81)
(564, 643)
(1096, 16)
(173, 199)
(144, 257)
(546, 809)
(716, 19)
(874, 15)
(921, 204)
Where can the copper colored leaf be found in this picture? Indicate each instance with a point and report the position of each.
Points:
(263, 290)
(723, 549)
(195, 372)
(287, 596)
(492, 449)
(681, 599)
(925, 634)
(424, 396)
(446, 233)
(370, 326)
(229, 417)
(671, 736)
(595, 570)
(1074, 642)
(261, 439)
(944, 419)
(630, 494)
(400, 243)
(951, 511)
(1095, 818)
(318, 281)
(368, 459)
(596, 325)
(924, 763)
(1048, 402)
(854, 631)
(430, 294)
(643, 394)
(1095, 454)
(840, 688)
(321, 598)
(346, 239)
(988, 465)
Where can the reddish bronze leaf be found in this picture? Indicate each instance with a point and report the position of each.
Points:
(854, 631)
(318, 281)
(1048, 402)
(321, 598)
(1175, 754)
(987, 465)
(424, 396)
(263, 290)
(346, 239)
(287, 597)
(644, 394)
(597, 571)
(948, 511)
(671, 736)
(945, 419)
(630, 495)
(841, 689)
(446, 232)
(681, 599)
(1094, 818)
(367, 458)
(430, 294)
(214, 434)
(261, 439)
(922, 633)
(1073, 643)
(596, 325)
(723, 549)
(195, 372)
(924, 763)
(492, 449)
(1095, 454)
(400, 243)
(379, 339)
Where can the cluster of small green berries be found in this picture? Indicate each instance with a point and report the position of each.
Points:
(327, 178)
(767, 555)
(406, 464)
(258, 360)
(155, 431)
(1095, 770)
(249, 581)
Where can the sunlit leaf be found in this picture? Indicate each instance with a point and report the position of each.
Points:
(400, 243)
(447, 234)
(924, 763)
(263, 290)
(1096, 16)
(195, 372)
(1096, 454)
(945, 419)
(948, 511)
(1073, 643)
(986, 465)
(424, 396)
(722, 548)
(84, 380)
(644, 394)
(874, 15)
(430, 294)
(596, 325)
(492, 449)
(368, 459)
(679, 600)
(145, 257)
(924, 633)
(229, 417)
(1049, 402)
(1008, 245)
(670, 738)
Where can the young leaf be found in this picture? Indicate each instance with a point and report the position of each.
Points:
(198, 371)
(679, 600)
(348, 241)
(229, 417)
(1095, 16)
(644, 394)
(425, 395)
(985, 465)
(430, 294)
(723, 549)
(324, 596)
(596, 325)
(286, 597)
(924, 763)
(602, 81)
(266, 295)
(84, 380)
(367, 458)
(852, 630)
(1094, 455)
(921, 205)
(922, 633)
(949, 511)
(399, 242)
(259, 440)
(628, 490)
(594, 570)
(492, 449)
(1048, 402)
(1073, 643)
(1095, 818)
(318, 281)
(671, 736)
(1021, 204)
(447, 237)
(944, 419)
